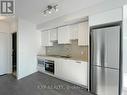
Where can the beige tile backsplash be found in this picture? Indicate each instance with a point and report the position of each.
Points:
(73, 50)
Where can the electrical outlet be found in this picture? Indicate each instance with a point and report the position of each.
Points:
(82, 52)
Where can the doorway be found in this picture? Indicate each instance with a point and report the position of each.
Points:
(14, 54)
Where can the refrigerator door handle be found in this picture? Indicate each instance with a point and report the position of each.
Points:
(102, 51)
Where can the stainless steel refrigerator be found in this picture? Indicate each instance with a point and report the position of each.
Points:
(105, 60)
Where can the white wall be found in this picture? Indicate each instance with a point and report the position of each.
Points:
(28, 45)
(125, 50)
(106, 17)
(5, 28)
(14, 26)
(125, 38)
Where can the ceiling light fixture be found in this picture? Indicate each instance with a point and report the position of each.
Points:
(50, 9)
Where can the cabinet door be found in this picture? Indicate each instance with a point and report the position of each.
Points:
(53, 35)
(58, 67)
(48, 39)
(75, 71)
(64, 35)
(83, 34)
(45, 38)
(74, 32)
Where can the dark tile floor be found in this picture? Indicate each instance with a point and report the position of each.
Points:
(38, 84)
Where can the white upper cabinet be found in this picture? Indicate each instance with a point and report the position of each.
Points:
(53, 35)
(45, 38)
(64, 35)
(74, 32)
(83, 34)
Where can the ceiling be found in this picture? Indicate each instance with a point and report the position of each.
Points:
(31, 9)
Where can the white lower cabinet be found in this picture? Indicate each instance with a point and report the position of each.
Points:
(58, 67)
(71, 70)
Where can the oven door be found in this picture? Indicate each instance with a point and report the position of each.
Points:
(49, 66)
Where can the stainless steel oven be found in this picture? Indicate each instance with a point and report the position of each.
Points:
(49, 66)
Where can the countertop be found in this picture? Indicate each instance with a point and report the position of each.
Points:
(62, 57)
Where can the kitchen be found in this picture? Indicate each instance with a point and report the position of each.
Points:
(65, 47)
(74, 62)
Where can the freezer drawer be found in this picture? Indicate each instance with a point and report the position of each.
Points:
(104, 81)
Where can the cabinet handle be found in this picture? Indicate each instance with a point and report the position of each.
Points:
(78, 62)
